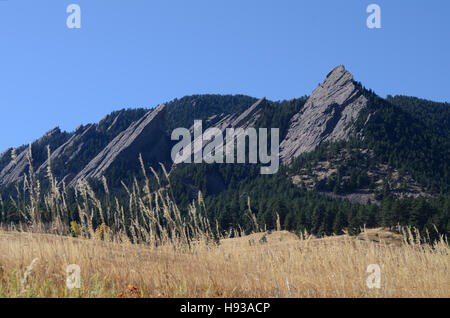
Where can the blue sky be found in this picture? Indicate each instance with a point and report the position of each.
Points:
(145, 52)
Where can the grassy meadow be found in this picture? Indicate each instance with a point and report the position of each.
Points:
(278, 264)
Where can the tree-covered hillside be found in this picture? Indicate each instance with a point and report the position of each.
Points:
(406, 139)
(404, 135)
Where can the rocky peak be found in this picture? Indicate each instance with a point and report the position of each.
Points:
(327, 115)
(50, 133)
(70, 148)
(246, 119)
(144, 133)
(15, 169)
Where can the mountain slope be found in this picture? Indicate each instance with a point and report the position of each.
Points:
(16, 167)
(343, 141)
(145, 133)
(408, 142)
(338, 109)
(326, 116)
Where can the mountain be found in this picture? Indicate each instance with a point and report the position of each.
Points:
(70, 152)
(14, 168)
(328, 115)
(337, 110)
(145, 133)
(341, 142)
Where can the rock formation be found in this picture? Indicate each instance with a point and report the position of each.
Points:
(142, 133)
(326, 116)
(93, 149)
(16, 169)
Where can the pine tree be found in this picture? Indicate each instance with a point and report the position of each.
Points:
(339, 223)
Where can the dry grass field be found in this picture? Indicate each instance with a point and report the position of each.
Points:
(156, 251)
(277, 264)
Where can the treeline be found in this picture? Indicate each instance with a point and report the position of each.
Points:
(244, 192)
(235, 193)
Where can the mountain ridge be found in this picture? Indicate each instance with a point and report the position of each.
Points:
(330, 114)
(350, 159)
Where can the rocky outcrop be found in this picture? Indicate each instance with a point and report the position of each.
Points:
(70, 149)
(16, 169)
(146, 132)
(92, 149)
(246, 119)
(249, 117)
(326, 116)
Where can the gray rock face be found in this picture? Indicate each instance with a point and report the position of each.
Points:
(326, 116)
(244, 120)
(70, 148)
(16, 169)
(140, 132)
(249, 117)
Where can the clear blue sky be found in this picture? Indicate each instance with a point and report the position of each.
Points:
(132, 53)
